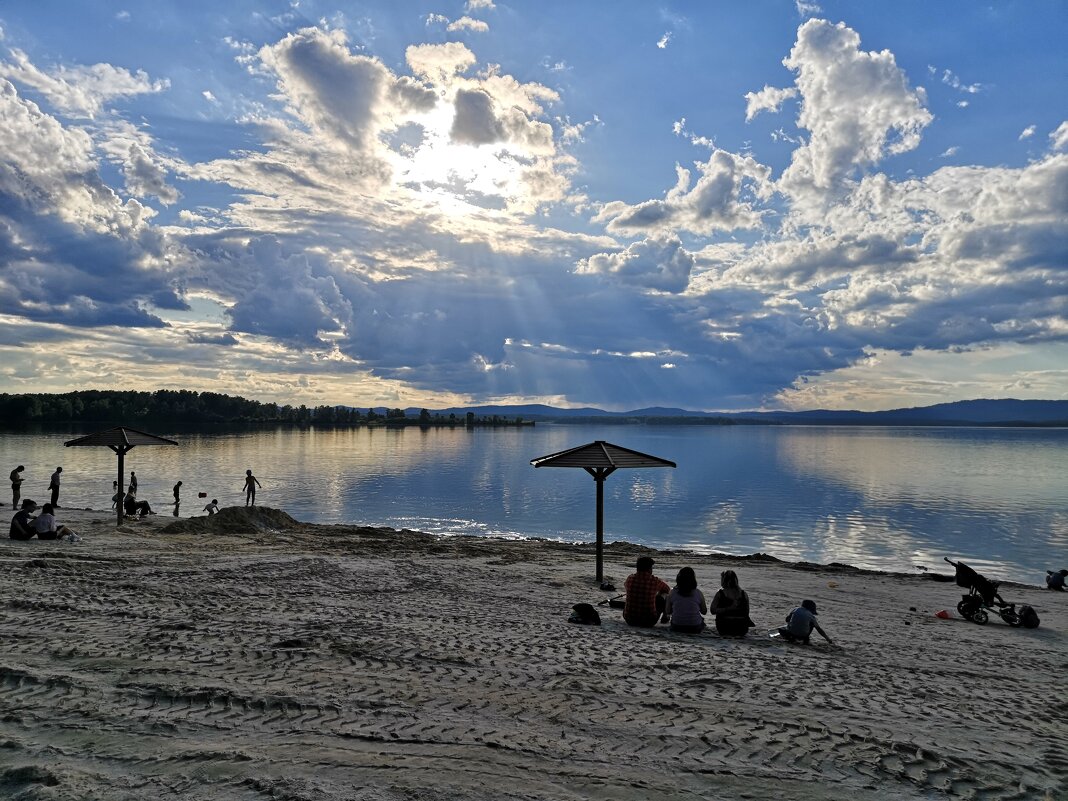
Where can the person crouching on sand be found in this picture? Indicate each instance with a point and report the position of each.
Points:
(1055, 579)
(212, 507)
(686, 604)
(646, 595)
(45, 525)
(800, 623)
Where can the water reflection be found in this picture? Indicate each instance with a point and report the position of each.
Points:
(880, 498)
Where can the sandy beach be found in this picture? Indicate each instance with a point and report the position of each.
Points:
(248, 656)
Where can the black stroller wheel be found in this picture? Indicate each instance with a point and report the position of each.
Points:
(965, 610)
(979, 616)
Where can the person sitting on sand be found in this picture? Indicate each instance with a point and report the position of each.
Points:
(132, 506)
(646, 595)
(45, 525)
(730, 605)
(212, 507)
(800, 623)
(22, 522)
(1055, 579)
(686, 604)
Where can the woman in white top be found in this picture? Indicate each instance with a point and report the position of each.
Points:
(686, 604)
(45, 525)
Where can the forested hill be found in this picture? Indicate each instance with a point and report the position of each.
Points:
(168, 407)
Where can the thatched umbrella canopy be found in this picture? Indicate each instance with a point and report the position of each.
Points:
(600, 459)
(121, 440)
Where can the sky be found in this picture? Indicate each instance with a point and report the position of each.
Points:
(706, 205)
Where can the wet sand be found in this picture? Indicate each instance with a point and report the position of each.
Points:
(248, 656)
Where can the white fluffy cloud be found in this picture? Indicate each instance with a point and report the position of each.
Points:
(767, 99)
(655, 263)
(856, 105)
(80, 91)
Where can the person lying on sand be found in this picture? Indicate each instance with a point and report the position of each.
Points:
(22, 522)
(800, 623)
(646, 595)
(1055, 579)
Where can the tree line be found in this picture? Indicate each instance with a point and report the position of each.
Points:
(186, 408)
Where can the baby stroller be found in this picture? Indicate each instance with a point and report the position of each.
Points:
(982, 597)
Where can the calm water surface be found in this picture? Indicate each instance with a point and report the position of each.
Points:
(873, 497)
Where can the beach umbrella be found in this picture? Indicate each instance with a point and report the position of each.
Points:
(121, 440)
(600, 459)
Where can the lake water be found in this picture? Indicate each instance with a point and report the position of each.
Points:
(880, 498)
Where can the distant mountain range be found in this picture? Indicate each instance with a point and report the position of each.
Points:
(1006, 411)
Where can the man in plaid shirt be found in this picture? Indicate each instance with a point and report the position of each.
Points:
(646, 595)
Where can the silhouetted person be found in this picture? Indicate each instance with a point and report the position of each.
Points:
(133, 482)
(1055, 579)
(53, 487)
(16, 486)
(132, 506)
(22, 522)
(117, 496)
(212, 507)
(251, 482)
(177, 493)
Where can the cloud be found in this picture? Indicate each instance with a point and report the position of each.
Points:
(1027, 132)
(663, 41)
(950, 79)
(857, 107)
(480, 5)
(767, 99)
(656, 263)
(723, 198)
(468, 24)
(1059, 138)
(346, 98)
(79, 91)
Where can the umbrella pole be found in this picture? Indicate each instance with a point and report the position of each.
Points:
(118, 502)
(599, 478)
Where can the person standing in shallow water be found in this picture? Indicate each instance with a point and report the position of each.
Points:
(53, 487)
(16, 486)
(177, 493)
(133, 482)
(251, 482)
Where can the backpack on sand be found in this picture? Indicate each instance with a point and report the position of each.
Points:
(584, 614)
(1028, 617)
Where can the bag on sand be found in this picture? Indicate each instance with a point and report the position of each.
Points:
(585, 615)
(1028, 617)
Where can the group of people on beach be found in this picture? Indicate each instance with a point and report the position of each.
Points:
(24, 525)
(649, 600)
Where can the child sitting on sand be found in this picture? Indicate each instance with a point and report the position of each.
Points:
(212, 507)
(800, 623)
